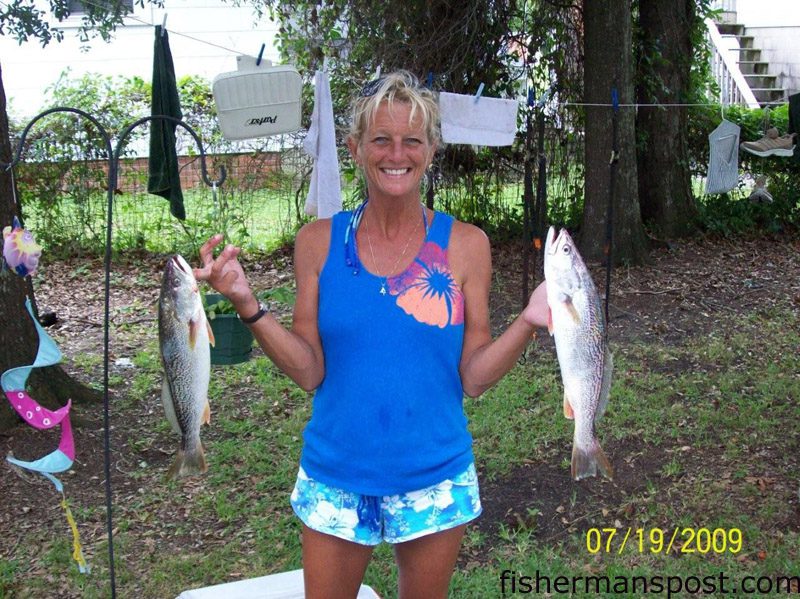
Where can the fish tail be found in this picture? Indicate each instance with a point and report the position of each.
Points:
(188, 462)
(586, 461)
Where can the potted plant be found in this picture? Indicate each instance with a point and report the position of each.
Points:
(233, 339)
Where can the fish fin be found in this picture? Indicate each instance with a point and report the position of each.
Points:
(188, 463)
(586, 462)
(605, 386)
(550, 327)
(211, 339)
(573, 311)
(207, 413)
(169, 408)
(193, 327)
(569, 414)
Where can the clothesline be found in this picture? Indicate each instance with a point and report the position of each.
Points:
(178, 33)
(654, 105)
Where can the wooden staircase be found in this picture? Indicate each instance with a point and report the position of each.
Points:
(756, 71)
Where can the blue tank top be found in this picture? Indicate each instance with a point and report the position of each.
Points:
(388, 417)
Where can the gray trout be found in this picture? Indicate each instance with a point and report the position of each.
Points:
(184, 336)
(578, 324)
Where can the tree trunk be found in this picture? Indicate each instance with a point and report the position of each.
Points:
(665, 190)
(608, 64)
(50, 386)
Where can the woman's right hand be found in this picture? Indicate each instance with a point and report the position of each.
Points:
(225, 274)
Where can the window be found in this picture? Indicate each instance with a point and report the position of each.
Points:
(78, 7)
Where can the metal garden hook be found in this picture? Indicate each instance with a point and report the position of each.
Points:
(112, 156)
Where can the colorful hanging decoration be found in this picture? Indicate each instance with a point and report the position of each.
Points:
(13, 382)
(20, 250)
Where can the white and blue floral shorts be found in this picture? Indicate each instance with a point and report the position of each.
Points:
(368, 519)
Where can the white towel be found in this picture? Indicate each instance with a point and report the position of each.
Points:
(324, 193)
(723, 164)
(487, 122)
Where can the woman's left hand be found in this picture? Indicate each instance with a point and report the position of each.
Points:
(537, 312)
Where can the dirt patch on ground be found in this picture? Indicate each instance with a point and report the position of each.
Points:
(696, 288)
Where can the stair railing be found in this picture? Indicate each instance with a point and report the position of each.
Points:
(733, 86)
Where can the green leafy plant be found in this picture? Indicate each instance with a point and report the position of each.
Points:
(281, 295)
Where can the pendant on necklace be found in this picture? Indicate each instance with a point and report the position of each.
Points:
(383, 288)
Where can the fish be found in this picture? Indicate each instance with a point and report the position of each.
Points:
(184, 337)
(577, 324)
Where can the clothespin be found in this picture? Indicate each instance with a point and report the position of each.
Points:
(615, 99)
(531, 97)
(429, 83)
(479, 92)
(163, 24)
(377, 73)
(260, 54)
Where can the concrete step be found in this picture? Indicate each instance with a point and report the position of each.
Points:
(754, 67)
(730, 28)
(769, 95)
(748, 54)
(761, 81)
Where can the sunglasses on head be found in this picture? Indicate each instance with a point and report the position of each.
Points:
(371, 87)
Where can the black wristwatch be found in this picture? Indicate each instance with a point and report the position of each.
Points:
(262, 309)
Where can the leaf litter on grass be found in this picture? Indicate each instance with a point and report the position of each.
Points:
(673, 321)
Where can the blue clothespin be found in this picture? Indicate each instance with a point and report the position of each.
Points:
(479, 92)
(614, 99)
(260, 54)
(429, 83)
(545, 96)
(531, 97)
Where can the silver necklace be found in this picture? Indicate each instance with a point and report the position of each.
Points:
(399, 258)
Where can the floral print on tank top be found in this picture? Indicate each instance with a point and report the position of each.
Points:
(427, 290)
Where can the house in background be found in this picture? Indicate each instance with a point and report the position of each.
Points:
(205, 37)
(756, 47)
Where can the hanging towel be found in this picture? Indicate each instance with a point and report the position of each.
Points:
(794, 120)
(487, 122)
(723, 166)
(164, 177)
(324, 192)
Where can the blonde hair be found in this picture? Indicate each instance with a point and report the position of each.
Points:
(399, 86)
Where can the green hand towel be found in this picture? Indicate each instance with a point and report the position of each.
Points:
(164, 177)
(794, 122)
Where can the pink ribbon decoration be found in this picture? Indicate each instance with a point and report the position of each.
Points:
(13, 382)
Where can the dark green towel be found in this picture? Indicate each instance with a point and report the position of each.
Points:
(794, 122)
(164, 177)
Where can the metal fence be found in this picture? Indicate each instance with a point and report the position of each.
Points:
(260, 205)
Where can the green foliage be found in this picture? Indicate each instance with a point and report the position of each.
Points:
(62, 180)
(282, 295)
(505, 46)
(24, 20)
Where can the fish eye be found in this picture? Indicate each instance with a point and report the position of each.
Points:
(566, 249)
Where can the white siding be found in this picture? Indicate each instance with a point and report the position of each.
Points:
(768, 13)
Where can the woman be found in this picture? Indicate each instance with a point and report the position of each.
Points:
(391, 329)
